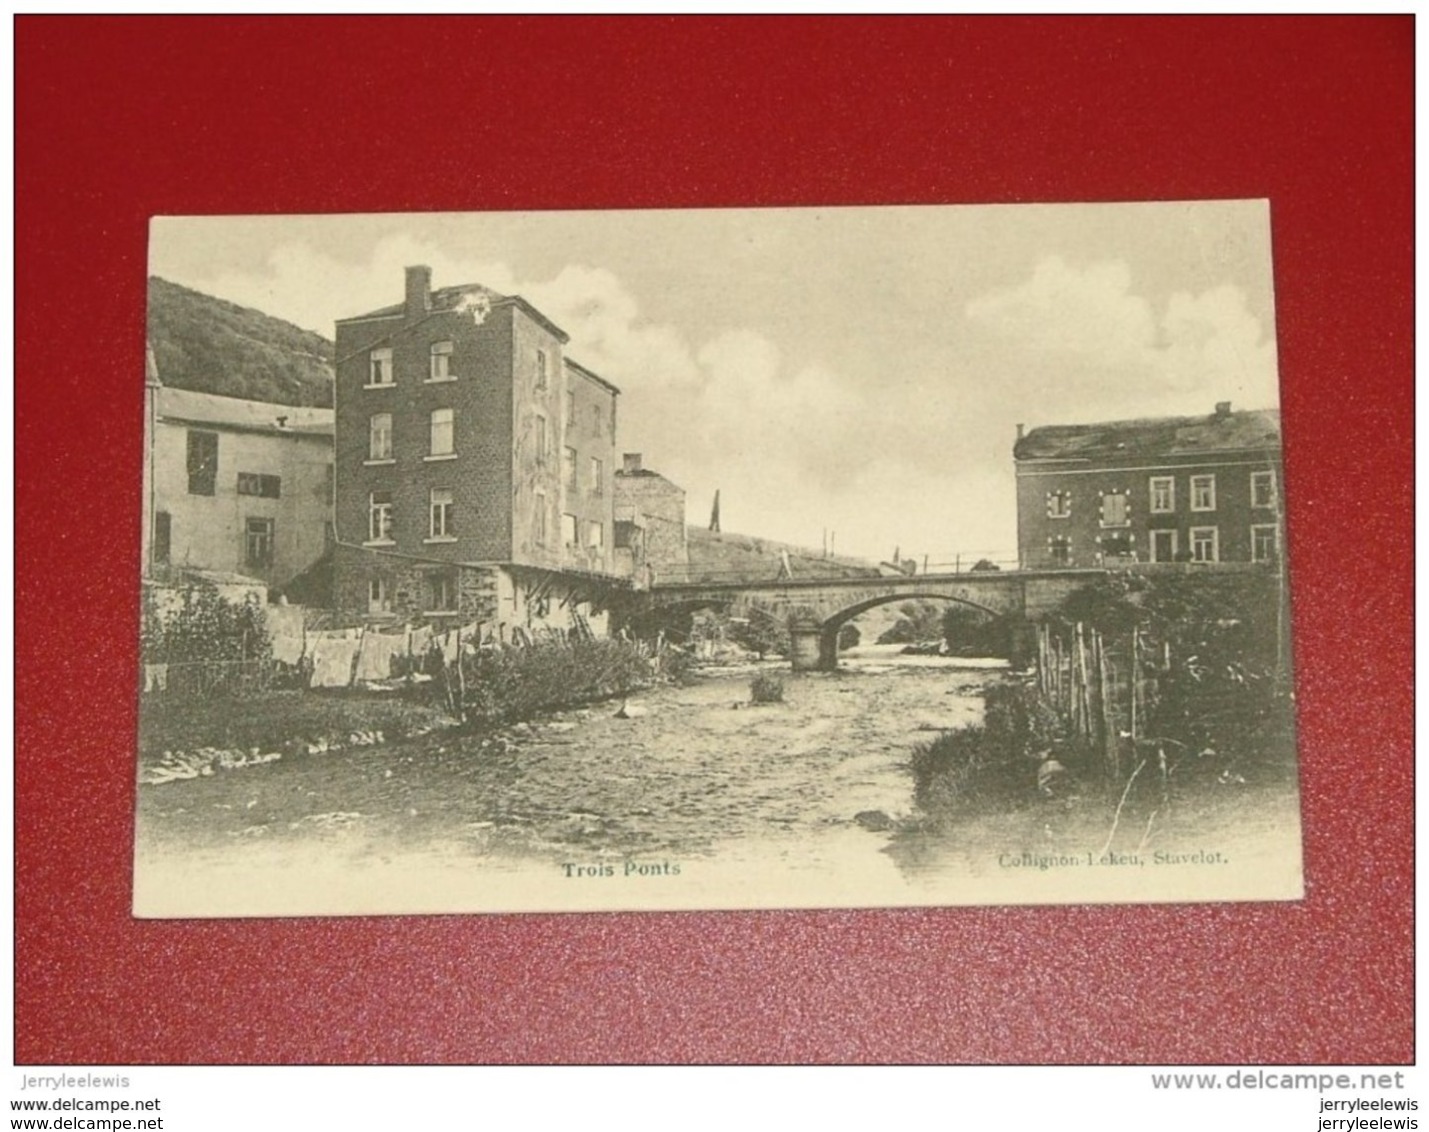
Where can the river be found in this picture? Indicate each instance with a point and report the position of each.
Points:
(697, 799)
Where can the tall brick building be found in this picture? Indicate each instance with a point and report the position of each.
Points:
(1201, 489)
(475, 462)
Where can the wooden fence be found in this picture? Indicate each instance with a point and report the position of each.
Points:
(1102, 686)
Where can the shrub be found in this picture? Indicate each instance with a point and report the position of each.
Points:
(213, 647)
(981, 766)
(199, 625)
(767, 688)
(503, 684)
(761, 633)
(918, 621)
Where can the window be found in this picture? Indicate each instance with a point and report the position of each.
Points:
(595, 536)
(570, 408)
(1163, 495)
(263, 486)
(1115, 509)
(379, 516)
(380, 368)
(162, 535)
(1262, 489)
(595, 419)
(1117, 548)
(543, 369)
(597, 476)
(442, 526)
(542, 439)
(441, 593)
(379, 437)
(202, 462)
(569, 539)
(379, 596)
(441, 363)
(539, 525)
(1059, 549)
(258, 544)
(624, 535)
(1059, 504)
(568, 468)
(443, 430)
(1264, 543)
(1203, 493)
(1163, 546)
(1205, 544)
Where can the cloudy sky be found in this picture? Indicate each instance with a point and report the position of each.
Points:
(856, 370)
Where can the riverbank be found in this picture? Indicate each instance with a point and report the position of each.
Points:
(185, 738)
(694, 799)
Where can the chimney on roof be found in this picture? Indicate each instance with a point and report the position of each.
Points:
(1021, 428)
(632, 463)
(1223, 410)
(419, 291)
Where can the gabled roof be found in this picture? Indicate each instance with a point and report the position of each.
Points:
(443, 299)
(449, 298)
(645, 474)
(248, 416)
(571, 363)
(1152, 438)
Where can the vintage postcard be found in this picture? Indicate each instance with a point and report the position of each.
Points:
(780, 558)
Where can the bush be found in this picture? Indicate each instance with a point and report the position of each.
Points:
(974, 632)
(982, 766)
(849, 636)
(199, 625)
(767, 688)
(761, 633)
(499, 685)
(213, 647)
(919, 621)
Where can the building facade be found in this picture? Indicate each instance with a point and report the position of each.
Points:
(650, 535)
(233, 487)
(1182, 489)
(475, 461)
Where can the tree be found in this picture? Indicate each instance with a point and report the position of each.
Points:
(975, 632)
(761, 632)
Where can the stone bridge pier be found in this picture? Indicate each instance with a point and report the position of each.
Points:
(812, 647)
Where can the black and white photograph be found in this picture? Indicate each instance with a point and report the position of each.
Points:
(842, 557)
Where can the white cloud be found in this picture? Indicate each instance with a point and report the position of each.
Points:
(917, 459)
(726, 413)
(1090, 314)
(1084, 343)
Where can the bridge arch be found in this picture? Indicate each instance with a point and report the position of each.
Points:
(827, 631)
(848, 613)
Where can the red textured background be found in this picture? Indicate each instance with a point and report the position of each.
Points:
(121, 119)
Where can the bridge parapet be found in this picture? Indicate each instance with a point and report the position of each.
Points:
(815, 608)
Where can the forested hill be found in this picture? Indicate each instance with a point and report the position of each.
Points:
(212, 346)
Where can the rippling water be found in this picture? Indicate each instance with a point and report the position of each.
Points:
(697, 769)
(712, 800)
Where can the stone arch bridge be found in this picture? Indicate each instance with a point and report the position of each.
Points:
(816, 607)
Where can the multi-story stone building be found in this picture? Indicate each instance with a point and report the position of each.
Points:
(233, 487)
(650, 538)
(1179, 489)
(475, 462)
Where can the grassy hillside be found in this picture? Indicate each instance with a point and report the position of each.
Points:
(721, 556)
(212, 346)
